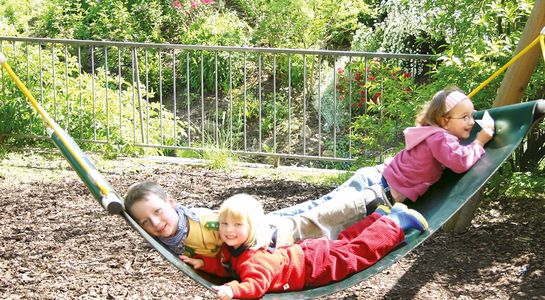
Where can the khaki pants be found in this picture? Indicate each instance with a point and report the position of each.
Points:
(328, 218)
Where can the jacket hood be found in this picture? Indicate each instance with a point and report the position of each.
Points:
(415, 135)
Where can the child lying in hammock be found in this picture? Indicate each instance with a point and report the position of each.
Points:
(194, 231)
(246, 254)
(434, 144)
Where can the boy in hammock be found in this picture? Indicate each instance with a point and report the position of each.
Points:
(194, 231)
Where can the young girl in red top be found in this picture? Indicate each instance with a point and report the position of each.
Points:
(309, 263)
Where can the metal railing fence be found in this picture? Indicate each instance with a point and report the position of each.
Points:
(284, 103)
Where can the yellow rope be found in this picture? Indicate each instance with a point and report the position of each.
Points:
(49, 122)
(510, 62)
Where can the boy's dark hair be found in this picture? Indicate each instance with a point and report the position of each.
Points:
(142, 189)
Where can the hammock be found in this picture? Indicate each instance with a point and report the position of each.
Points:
(437, 205)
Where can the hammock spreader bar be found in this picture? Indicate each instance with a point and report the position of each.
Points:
(100, 188)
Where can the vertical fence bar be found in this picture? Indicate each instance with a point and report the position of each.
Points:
(28, 84)
(54, 83)
(334, 107)
(80, 94)
(289, 103)
(274, 104)
(174, 108)
(202, 100)
(245, 104)
(147, 95)
(119, 86)
(138, 94)
(216, 129)
(93, 93)
(350, 102)
(66, 90)
(188, 101)
(259, 76)
(133, 77)
(106, 100)
(319, 106)
(304, 104)
(230, 102)
(161, 136)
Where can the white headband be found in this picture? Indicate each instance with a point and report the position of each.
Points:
(452, 99)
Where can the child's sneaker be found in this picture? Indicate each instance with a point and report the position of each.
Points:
(383, 210)
(398, 206)
(408, 218)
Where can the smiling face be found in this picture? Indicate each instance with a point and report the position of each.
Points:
(233, 231)
(156, 215)
(459, 120)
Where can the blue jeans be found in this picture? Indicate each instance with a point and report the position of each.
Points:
(362, 178)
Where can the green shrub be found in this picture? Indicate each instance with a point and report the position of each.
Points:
(87, 107)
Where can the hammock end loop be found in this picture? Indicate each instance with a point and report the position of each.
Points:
(112, 203)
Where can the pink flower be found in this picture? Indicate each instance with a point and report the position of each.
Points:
(340, 70)
(207, 1)
(176, 4)
(194, 4)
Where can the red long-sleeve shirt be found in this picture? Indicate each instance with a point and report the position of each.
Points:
(312, 262)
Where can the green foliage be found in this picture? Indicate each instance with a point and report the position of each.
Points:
(482, 39)
(321, 24)
(87, 107)
(376, 99)
(17, 16)
(219, 159)
(518, 185)
(392, 98)
(396, 27)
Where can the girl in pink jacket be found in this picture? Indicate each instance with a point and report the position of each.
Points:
(436, 143)
(433, 145)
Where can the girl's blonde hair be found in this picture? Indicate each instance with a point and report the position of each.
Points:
(433, 110)
(245, 208)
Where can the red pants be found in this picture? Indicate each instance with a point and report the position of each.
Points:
(357, 247)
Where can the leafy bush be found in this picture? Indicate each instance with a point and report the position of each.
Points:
(87, 107)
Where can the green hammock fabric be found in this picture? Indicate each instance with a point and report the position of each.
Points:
(440, 203)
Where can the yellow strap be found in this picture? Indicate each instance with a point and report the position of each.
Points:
(510, 62)
(50, 123)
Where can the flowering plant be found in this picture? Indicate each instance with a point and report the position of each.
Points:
(361, 85)
(381, 100)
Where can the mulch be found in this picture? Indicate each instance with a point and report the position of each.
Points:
(58, 243)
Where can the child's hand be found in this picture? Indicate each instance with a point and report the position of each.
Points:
(484, 137)
(224, 292)
(195, 262)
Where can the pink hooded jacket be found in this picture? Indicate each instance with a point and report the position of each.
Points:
(428, 150)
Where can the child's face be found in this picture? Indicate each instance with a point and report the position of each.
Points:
(234, 233)
(156, 216)
(459, 119)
